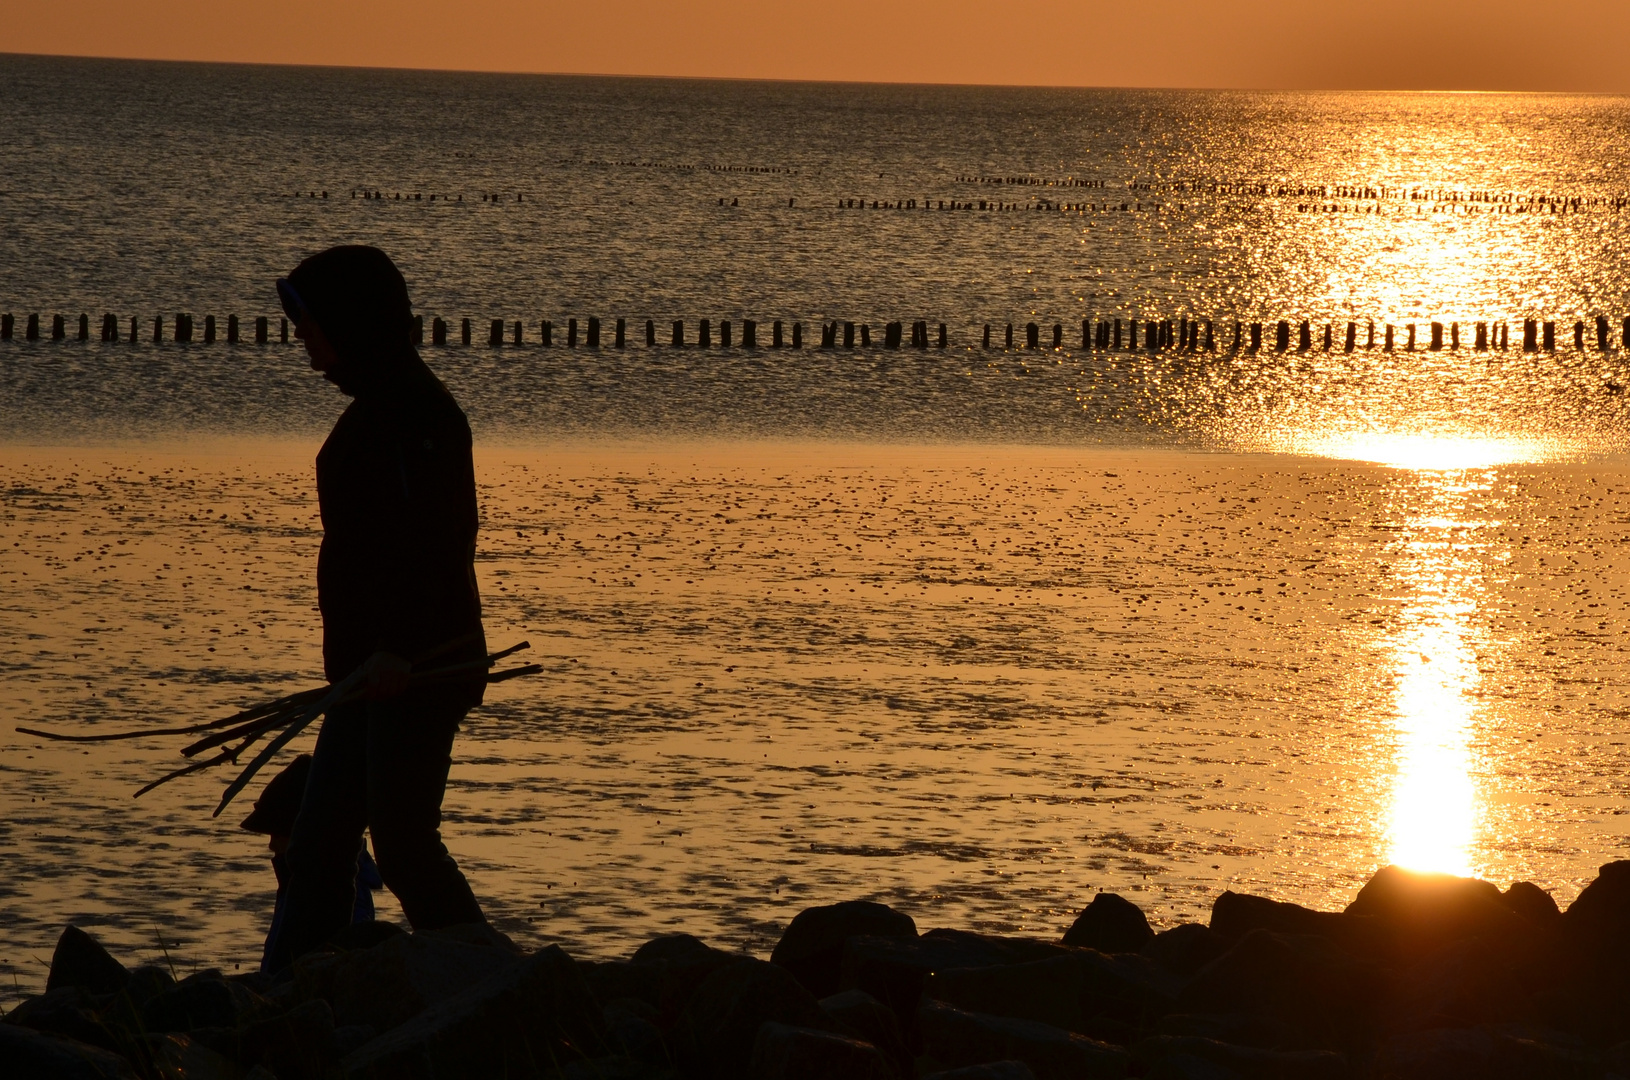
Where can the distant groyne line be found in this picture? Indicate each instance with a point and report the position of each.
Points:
(1102, 335)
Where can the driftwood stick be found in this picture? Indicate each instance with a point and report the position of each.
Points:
(333, 697)
(258, 712)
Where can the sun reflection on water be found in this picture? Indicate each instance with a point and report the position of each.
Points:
(1434, 800)
(1436, 804)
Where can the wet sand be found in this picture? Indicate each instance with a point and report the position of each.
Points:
(977, 683)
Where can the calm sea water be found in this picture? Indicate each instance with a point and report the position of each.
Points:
(978, 682)
(146, 189)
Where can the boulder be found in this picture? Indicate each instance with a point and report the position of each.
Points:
(632, 1031)
(1185, 949)
(858, 1012)
(523, 1020)
(1240, 1029)
(1464, 984)
(79, 960)
(1233, 915)
(1241, 1061)
(124, 1015)
(1601, 911)
(1110, 924)
(1480, 1054)
(1532, 903)
(69, 1012)
(1427, 911)
(204, 1000)
(715, 1032)
(176, 1055)
(953, 1038)
(388, 984)
(783, 1052)
(664, 971)
(32, 1055)
(1303, 980)
(812, 945)
(992, 1070)
(892, 970)
(298, 1045)
(1066, 991)
(1188, 1067)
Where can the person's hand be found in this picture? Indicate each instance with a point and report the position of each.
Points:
(385, 675)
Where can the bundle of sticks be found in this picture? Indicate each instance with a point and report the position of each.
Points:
(286, 717)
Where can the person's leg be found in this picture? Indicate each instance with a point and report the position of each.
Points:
(322, 855)
(410, 743)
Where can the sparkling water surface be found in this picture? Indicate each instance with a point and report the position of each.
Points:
(973, 631)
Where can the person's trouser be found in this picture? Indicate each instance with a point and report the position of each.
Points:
(380, 766)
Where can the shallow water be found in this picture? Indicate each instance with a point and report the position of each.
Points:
(146, 189)
(976, 683)
(975, 631)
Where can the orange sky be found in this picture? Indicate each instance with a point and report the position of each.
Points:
(1380, 44)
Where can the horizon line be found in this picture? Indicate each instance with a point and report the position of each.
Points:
(812, 82)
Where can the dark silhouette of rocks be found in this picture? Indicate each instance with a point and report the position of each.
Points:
(1421, 977)
(783, 1052)
(812, 945)
(30, 1055)
(953, 1038)
(995, 1070)
(1110, 924)
(718, 1027)
(79, 960)
(858, 1012)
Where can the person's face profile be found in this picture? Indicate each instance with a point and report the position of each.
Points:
(323, 357)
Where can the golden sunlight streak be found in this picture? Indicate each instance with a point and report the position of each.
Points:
(1434, 802)
(1426, 452)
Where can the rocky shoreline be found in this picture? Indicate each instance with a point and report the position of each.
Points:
(1422, 976)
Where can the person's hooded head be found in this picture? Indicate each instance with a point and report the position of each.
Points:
(359, 303)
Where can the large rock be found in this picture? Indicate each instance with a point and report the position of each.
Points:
(632, 1031)
(993, 1070)
(298, 1045)
(1532, 903)
(1480, 1054)
(177, 1055)
(782, 1052)
(388, 984)
(715, 1033)
(1463, 984)
(858, 1012)
(1233, 915)
(69, 1012)
(1243, 1061)
(1236, 1028)
(1110, 924)
(665, 971)
(1186, 948)
(518, 1023)
(953, 1038)
(1427, 911)
(31, 1055)
(79, 960)
(204, 1000)
(812, 945)
(1304, 980)
(892, 970)
(1601, 911)
(1066, 991)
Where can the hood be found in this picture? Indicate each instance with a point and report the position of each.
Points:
(359, 299)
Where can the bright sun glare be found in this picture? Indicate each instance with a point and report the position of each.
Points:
(1426, 453)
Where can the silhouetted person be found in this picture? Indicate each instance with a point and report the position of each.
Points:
(396, 586)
